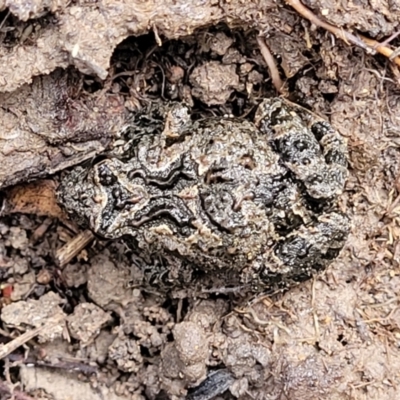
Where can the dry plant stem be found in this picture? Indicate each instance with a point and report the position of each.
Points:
(6, 349)
(16, 394)
(395, 54)
(73, 248)
(58, 363)
(390, 38)
(4, 19)
(369, 45)
(389, 53)
(270, 61)
(41, 229)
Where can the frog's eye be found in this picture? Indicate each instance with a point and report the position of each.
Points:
(106, 177)
(305, 161)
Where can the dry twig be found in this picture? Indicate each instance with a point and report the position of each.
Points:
(270, 61)
(6, 349)
(60, 362)
(4, 20)
(41, 230)
(16, 394)
(73, 248)
(370, 45)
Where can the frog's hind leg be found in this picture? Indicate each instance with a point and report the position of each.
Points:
(316, 155)
(312, 247)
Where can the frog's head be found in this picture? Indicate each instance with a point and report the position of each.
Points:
(79, 196)
(103, 198)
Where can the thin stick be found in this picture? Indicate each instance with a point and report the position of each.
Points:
(270, 61)
(156, 36)
(58, 363)
(4, 20)
(41, 229)
(73, 248)
(16, 393)
(367, 44)
(390, 38)
(386, 51)
(6, 349)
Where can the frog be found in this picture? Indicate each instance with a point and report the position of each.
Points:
(223, 200)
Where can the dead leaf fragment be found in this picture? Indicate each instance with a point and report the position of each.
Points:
(37, 198)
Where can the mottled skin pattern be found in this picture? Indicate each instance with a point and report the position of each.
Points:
(253, 203)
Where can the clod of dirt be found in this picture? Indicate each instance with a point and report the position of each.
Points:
(97, 351)
(254, 78)
(327, 87)
(36, 313)
(207, 313)
(86, 322)
(190, 343)
(75, 275)
(148, 334)
(220, 43)
(175, 74)
(242, 355)
(147, 323)
(20, 266)
(214, 82)
(126, 353)
(107, 283)
(184, 360)
(44, 277)
(299, 375)
(3, 229)
(23, 286)
(18, 239)
(291, 52)
(233, 56)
